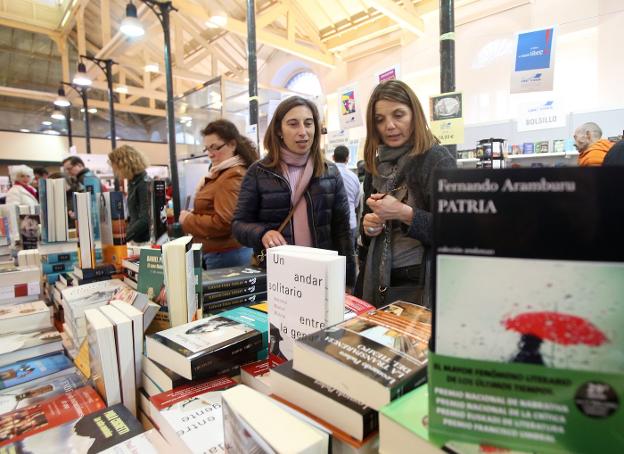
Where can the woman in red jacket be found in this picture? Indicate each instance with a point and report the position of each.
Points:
(210, 222)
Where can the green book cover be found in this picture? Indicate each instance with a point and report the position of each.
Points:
(152, 282)
(411, 411)
(254, 319)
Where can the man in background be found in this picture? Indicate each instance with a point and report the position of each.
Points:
(352, 187)
(41, 173)
(591, 146)
(75, 168)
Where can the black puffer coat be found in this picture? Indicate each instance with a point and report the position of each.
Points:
(265, 201)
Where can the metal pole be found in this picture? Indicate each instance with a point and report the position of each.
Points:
(173, 163)
(252, 66)
(69, 129)
(85, 105)
(447, 51)
(111, 110)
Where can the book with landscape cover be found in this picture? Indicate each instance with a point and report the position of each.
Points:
(228, 278)
(34, 370)
(305, 291)
(30, 394)
(373, 358)
(548, 328)
(42, 416)
(113, 225)
(88, 434)
(196, 349)
(190, 418)
(338, 409)
(20, 346)
(158, 212)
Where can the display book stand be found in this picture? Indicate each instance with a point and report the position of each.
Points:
(527, 348)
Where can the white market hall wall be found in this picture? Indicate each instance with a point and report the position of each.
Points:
(588, 63)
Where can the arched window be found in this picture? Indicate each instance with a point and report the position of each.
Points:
(305, 82)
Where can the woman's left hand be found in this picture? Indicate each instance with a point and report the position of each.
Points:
(390, 208)
(183, 214)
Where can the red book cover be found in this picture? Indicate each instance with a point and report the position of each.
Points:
(21, 423)
(184, 392)
(257, 368)
(355, 306)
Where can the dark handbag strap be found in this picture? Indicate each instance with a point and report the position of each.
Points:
(261, 257)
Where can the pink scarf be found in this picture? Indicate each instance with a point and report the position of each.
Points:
(298, 170)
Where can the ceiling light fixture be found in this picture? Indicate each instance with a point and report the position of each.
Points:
(131, 25)
(151, 68)
(82, 78)
(57, 115)
(123, 89)
(218, 20)
(61, 101)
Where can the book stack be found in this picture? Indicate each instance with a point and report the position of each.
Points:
(216, 345)
(130, 270)
(100, 272)
(76, 300)
(113, 227)
(53, 214)
(59, 258)
(230, 287)
(10, 214)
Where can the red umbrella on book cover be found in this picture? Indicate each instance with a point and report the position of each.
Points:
(564, 329)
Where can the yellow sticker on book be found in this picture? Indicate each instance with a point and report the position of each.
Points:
(82, 359)
(263, 307)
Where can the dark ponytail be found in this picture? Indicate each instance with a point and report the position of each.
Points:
(227, 131)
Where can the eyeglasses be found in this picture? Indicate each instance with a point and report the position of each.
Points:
(213, 148)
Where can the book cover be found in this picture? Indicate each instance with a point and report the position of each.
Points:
(85, 229)
(559, 146)
(89, 434)
(30, 344)
(27, 421)
(179, 279)
(29, 230)
(228, 278)
(542, 146)
(537, 338)
(254, 319)
(158, 212)
(528, 148)
(30, 394)
(152, 282)
(355, 306)
(191, 415)
(25, 317)
(201, 345)
(28, 370)
(305, 294)
(386, 348)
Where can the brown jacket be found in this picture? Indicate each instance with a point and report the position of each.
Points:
(210, 223)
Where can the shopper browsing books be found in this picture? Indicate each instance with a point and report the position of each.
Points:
(210, 222)
(294, 185)
(400, 153)
(129, 163)
(75, 168)
(22, 193)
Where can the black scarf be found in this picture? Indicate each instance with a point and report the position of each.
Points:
(391, 166)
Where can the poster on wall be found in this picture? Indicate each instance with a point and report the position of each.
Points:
(350, 109)
(446, 118)
(390, 73)
(534, 61)
(544, 114)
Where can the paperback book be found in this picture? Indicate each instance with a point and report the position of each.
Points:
(158, 212)
(34, 370)
(535, 338)
(25, 317)
(30, 394)
(21, 346)
(305, 294)
(113, 225)
(152, 283)
(373, 358)
(195, 350)
(223, 279)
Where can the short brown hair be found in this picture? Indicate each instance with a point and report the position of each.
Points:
(273, 142)
(398, 91)
(228, 131)
(128, 160)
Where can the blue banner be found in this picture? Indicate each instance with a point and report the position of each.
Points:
(534, 50)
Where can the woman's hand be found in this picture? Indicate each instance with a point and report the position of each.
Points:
(273, 238)
(373, 225)
(183, 215)
(389, 208)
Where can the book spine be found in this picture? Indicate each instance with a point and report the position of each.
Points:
(92, 273)
(43, 202)
(418, 378)
(224, 367)
(48, 268)
(220, 285)
(209, 363)
(234, 302)
(234, 292)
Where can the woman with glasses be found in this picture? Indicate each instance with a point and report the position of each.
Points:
(400, 153)
(210, 221)
(294, 177)
(129, 163)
